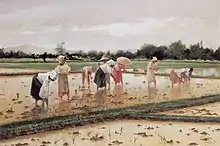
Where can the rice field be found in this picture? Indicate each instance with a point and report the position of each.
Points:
(17, 106)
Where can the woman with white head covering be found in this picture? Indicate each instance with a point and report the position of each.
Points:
(63, 83)
(100, 75)
(40, 86)
(151, 69)
(102, 61)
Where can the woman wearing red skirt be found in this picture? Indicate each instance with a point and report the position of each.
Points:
(117, 73)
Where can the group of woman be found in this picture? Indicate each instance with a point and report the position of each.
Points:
(109, 68)
(40, 82)
(175, 77)
(103, 73)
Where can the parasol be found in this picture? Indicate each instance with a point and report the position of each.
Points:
(124, 60)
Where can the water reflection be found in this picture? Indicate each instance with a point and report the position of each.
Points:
(197, 71)
(100, 97)
(152, 91)
(118, 91)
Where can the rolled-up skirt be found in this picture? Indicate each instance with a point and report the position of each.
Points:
(35, 88)
(100, 78)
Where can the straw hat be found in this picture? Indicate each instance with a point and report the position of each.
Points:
(61, 59)
(154, 59)
(123, 61)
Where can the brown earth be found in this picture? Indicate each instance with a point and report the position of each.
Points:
(127, 133)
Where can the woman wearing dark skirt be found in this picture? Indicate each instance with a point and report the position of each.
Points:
(35, 88)
(100, 75)
(40, 86)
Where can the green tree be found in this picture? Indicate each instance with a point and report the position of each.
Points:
(176, 50)
(61, 48)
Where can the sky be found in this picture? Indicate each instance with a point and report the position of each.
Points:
(109, 24)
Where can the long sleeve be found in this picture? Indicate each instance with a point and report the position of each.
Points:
(44, 90)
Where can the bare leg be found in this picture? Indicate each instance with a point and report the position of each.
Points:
(148, 85)
(43, 104)
(83, 79)
(35, 102)
(155, 85)
(46, 101)
(88, 80)
(68, 95)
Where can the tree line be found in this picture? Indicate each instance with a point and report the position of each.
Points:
(176, 50)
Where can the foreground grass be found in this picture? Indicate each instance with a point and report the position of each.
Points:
(77, 65)
(143, 111)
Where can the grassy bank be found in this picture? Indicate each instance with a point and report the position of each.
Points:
(143, 111)
(76, 65)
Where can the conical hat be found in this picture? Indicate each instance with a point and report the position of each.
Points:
(123, 60)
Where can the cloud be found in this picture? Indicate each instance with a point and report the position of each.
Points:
(28, 32)
(139, 27)
(50, 29)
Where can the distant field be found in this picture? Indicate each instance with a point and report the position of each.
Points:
(76, 65)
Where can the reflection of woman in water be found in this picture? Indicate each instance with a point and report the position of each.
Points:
(152, 92)
(151, 69)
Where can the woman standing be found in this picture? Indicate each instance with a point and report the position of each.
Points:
(100, 76)
(151, 69)
(63, 84)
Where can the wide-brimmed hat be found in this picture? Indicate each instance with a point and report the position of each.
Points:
(154, 59)
(123, 60)
(61, 59)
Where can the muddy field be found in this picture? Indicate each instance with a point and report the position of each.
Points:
(210, 110)
(196, 71)
(128, 133)
(16, 104)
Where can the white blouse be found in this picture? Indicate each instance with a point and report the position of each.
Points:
(44, 80)
(106, 68)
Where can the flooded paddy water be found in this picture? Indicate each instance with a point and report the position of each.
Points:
(127, 133)
(196, 72)
(16, 103)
